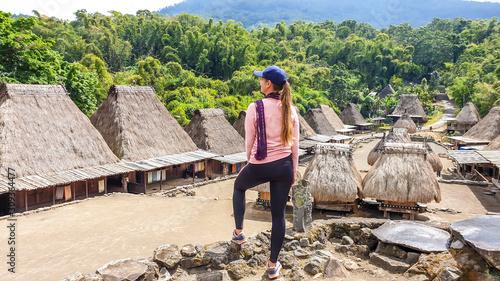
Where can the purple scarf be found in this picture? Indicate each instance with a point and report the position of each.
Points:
(261, 127)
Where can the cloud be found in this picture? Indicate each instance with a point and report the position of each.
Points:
(65, 9)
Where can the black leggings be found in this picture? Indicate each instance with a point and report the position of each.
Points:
(280, 176)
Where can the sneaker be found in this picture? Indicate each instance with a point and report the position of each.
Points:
(239, 239)
(274, 272)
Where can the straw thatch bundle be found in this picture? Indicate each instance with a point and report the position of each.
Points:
(317, 120)
(468, 115)
(398, 135)
(42, 131)
(351, 115)
(305, 129)
(407, 123)
(488, 128)
(434, 160)
(388, 91)
(137, 126)
(410, 105)
(332, 174)
(239, 125)
(210, 130)
(402, 174)
(331, 116)
(494, 144)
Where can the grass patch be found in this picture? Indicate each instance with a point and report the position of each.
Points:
(436, 115)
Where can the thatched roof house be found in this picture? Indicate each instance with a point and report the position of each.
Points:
(210, 130)
(402, 174)
(494, 144)
(410, 105)
(388, 91)
(239, 125)
(137, 126)
(351, 116)
(488, 128)
(43, 131)
(305, 129)
(468, 115)
(56, 153)
(407, 123)
(333, 175)
(324, 120)
(396, 135)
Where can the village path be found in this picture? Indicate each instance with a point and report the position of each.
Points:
(449, 112)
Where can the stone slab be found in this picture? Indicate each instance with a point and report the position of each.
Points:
(413, 235)
(483, 234)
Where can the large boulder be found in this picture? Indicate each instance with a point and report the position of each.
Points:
(125, 269)
(481, 233)
(413, 235)
(167, 256)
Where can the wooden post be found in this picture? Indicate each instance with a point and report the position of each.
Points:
(74, 189)
(87, 188)
(145, 180)
(161, 177)
(26, 199)
(54, 195)
(105, 185)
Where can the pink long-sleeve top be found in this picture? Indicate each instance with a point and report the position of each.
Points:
(275, 149)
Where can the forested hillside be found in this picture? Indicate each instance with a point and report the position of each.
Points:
(194, 63)
(379, 13)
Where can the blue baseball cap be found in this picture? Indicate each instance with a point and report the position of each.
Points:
(273, 73)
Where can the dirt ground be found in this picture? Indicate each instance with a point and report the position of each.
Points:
(85, 236)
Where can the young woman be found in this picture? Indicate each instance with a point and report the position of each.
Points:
(272, 144)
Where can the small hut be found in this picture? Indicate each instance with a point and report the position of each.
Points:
(239, 125)
(407, 123)
(210, 131)
(52, 149)
(334, 179)
(324, 120)
(401, 178)
(140, 130)
(466, 119)
(388, 91)
(396, 135)
(488, 128)
(410, 105)
(351, 116)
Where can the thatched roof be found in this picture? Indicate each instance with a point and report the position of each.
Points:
(396, 135)
(324, 120)
(42, 131)
(137, 126)
(239, 125)
(351, 115)
(305, 129)
(494, 144)
(210, 130)
(468, 115)
(488, 128)
(332, 174)
(407, 123)
(386, 92)
(410, 105)
(434, 159)
(402, 174)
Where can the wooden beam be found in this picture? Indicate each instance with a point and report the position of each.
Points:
(87, 188)
(161, 178)
(74, 189)
(145, 180)
(105, 185)
(26, 199)
(54, 195)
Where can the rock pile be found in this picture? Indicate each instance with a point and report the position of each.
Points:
(314, 255)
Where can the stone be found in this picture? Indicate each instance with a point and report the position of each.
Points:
(391, 251)
(167, 256)
(457, 245)
(389, 263)
(188, 250)
(260, 260)
(301, 253)
(218, 275)
(304, 242)
(77, 276)
(350, 265)
(302, 205)
(221, 253)
(287, 260)
(325, 255)
(366, 237)
(412, 258)
(124, 269)
(317, 245)
(450, 273)
(413, 235)
(346, 240)
(316, 265)
(292, 245)
(238, 269)
(432, 264)
(334, 268)
(97, 277)
(153, 271)
(164, 275)
(482, 234)
(297, 274)
(263, 238)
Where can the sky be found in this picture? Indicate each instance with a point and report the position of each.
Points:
(65, 9)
